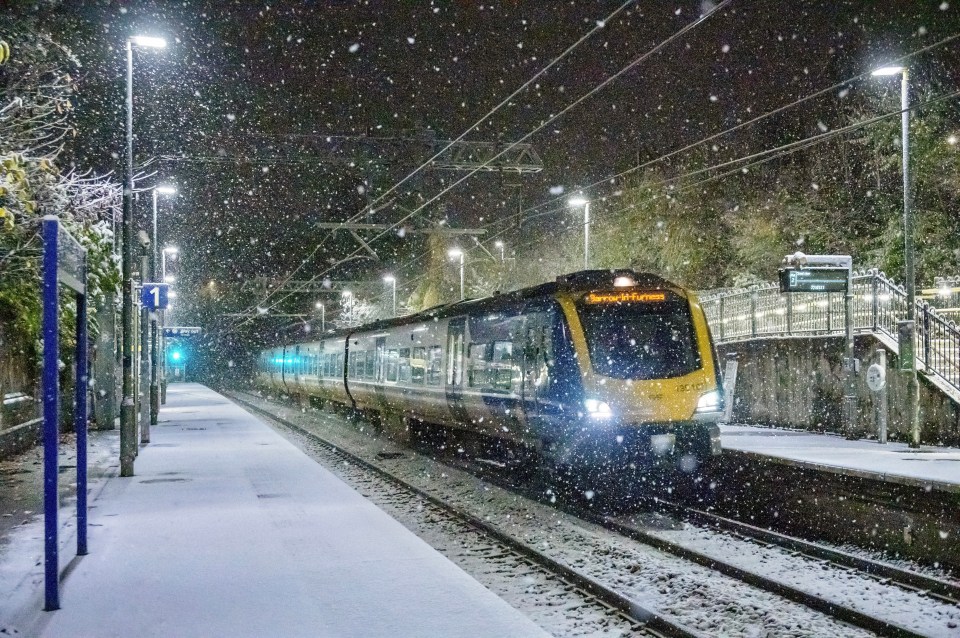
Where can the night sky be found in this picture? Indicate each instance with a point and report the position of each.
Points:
(240, 76)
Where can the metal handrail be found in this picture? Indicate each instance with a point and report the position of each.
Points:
(878, 305)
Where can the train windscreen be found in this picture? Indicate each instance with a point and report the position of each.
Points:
(637, 335)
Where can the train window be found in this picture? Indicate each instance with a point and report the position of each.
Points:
(418, 364)
(502, 365)
(640, 340)
(339, 370)
(478, 369)
(393, 365)
(353, 364)
(434, 364)
(404, 365)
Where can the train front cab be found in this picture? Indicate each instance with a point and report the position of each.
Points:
(651, 390)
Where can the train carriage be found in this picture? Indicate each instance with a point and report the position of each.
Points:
(600, 368)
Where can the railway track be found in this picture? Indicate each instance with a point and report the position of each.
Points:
(803, 596)
(641, 620)
(946, 591)
(917, 589)
(882, 573)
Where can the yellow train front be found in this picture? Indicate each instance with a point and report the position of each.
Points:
(598, 369)
(650, 392)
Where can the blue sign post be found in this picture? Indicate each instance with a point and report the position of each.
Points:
(64, 262)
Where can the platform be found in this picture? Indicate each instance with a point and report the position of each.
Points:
(929, 467)
(227, 529)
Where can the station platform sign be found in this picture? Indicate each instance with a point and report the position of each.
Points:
(813, 279)
(181, 331)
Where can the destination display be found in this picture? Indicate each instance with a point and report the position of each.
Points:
(624, 297)
(813, 279)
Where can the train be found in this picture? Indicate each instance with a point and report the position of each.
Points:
(610, 369)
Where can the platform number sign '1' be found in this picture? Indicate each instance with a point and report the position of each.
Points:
(155, 296)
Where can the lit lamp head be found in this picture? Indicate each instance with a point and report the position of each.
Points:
(148, 42)
(498, 244)
(318, 305)
(165, 189)
(887, 70)
(171, 250)
(389, 279)
(578, 200)
(455, 253)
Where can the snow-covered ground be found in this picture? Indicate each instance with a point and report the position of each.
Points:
(938, 467)
(695, 596)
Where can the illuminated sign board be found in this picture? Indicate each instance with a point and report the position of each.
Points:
(813, 279)
(625, 297)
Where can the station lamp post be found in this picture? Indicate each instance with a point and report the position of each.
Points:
(576, 202)
(128, 416)
(499, 244)
(348, 297)
(323, 316)
(913, 386)
(154, 334)
(390, 279)
(455, 253)
(172, 251)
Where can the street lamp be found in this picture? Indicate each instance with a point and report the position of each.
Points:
(323, 316)
(499, 244)
(390, 279)
(913, 387)
(454, 253)
(128, 424)
(172, 251)
(154, 336)
(576, 202)
(346, 294)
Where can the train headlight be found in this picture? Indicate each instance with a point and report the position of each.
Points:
(709, 402)
(597, 409)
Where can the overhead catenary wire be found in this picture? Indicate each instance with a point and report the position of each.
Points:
(700, 142)
(636, 61)
(752, 159)
(688, 147)
(598, 26)
(752, 121)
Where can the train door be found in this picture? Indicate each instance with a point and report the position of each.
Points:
(536, 377)
(284, 368)
(378, 376)
(456, 345)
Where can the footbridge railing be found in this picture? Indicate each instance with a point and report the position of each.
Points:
(878, 304)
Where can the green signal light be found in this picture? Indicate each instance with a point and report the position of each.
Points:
(176, 355)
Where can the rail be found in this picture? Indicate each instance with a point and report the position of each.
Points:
(878, 304)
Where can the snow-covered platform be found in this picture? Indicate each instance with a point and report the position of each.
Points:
(227, 529)
(929, 467)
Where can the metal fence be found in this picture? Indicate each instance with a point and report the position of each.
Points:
(878, 304)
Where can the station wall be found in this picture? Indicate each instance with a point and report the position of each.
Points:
(797, 382)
